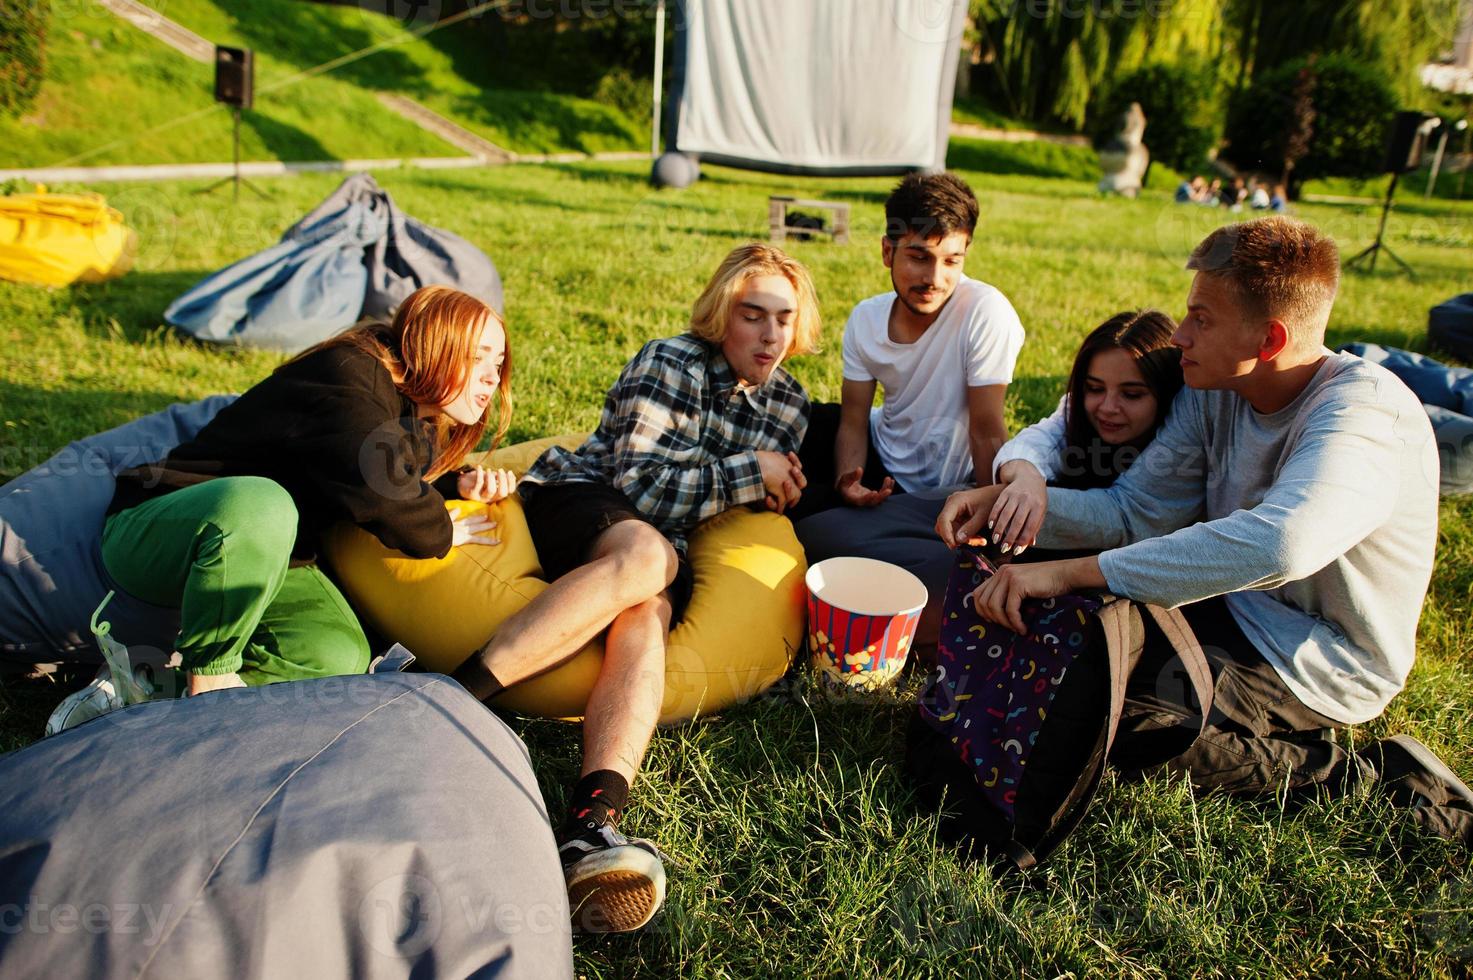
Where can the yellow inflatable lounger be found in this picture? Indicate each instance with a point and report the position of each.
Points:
(743, 625)
(58, 239)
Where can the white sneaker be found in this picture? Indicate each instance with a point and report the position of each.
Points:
(615, 883)
(93, 701)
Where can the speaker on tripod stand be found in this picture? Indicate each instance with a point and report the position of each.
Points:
(1409, 133)
(235, 84)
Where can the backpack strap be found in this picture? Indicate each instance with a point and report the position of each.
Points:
(1124, 635)
(1184, 643)
(1179, 634)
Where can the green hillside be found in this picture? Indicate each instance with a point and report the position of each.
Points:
(114, 95)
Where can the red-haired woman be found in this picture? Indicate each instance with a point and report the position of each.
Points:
(368, 427)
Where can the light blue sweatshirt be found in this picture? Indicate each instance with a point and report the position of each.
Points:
(1318, 521)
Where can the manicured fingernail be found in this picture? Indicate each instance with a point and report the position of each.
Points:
(1021, 549)
(1006, 548)
(989, 525)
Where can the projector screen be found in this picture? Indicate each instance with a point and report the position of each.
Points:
(817, 86)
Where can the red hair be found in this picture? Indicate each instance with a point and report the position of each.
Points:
(428, 350)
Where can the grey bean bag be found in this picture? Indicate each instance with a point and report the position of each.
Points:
(381, 825)
(1447, 394)
(1450, 326)
(355, 255)
(51, 573)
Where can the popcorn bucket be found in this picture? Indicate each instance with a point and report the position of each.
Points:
(862, 616)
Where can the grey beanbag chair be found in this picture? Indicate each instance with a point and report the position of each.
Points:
(51, 573)
(1447, 395)
(1450, 326)
(382, 825)
(355, 255)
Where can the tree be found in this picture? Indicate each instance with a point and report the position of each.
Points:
(1352, 105)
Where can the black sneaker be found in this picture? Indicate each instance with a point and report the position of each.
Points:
(615, 883)
(1407, 761)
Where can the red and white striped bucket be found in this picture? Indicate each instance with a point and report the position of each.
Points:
(862, 617)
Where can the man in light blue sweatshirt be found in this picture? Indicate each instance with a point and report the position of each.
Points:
(1289, 506)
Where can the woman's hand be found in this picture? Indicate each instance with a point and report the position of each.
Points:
(1020, 508)
(486, 486)
(964, 514)
(474, 528)
(204, 683)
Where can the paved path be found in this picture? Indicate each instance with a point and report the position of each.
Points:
(176, 36)
(1015, 135)
(458, 136)
(277, 168)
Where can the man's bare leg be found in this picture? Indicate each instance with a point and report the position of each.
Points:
(625, 702)
(631, 563)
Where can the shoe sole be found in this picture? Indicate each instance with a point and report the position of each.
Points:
(1429, 761)
(80, 707)
(618, 890)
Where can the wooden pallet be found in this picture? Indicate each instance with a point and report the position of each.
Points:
(777, 219)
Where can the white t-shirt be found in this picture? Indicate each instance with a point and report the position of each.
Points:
(920, 431)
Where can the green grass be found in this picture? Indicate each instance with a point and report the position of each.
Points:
(115, 95)
(798, 851)
(1411, 186)
(451, 70)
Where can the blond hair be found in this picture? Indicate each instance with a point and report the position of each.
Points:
(712, 310)
(428, 349)
(1279, 268)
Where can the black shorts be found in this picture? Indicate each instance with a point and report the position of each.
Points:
(566, 518)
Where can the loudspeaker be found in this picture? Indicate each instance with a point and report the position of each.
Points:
(234, 76)
(1408, 140)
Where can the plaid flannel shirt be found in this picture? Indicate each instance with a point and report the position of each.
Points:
(679, 437)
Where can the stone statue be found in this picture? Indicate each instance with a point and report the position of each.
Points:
(1124, 158)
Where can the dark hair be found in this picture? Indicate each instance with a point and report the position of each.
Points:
(930, 205)
(1145, 335)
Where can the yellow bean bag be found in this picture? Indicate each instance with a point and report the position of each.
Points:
(59, 239)
(743, 625)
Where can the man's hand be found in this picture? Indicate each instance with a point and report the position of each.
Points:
(1020, 508)
(486, 486)
(856, 494)
(472, 528)
(1000, 598)
(965, 511)
(204, 683)
(782, 477)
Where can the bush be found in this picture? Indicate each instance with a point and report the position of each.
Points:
(22, 52)
(1180, 105)
(1353, 107)
(624, 92)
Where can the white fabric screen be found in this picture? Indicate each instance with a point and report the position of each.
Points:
(820, 84)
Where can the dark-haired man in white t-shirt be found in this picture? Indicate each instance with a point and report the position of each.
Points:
(941, 345)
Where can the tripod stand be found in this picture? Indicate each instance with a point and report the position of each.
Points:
(236, 178)
(1379, 245)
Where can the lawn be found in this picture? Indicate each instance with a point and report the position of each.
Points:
(797, 849)
(114, 95)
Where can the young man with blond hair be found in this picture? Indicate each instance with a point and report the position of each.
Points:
(695, 425)
(1289, 506)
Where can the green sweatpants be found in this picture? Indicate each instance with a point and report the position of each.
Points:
(218, 552)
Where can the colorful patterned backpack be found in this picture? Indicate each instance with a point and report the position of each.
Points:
(1013, 730)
